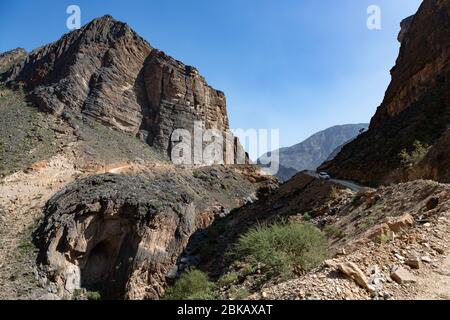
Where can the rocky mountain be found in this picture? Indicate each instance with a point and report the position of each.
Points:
(10, 58)
(89, 199)
(415, 111)
(121, 235)
(107, 72)
(312, 152)
(91, 207)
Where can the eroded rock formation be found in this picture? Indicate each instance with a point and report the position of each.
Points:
(10, 58)
(121, 235)
(108, 72)
(416, 106)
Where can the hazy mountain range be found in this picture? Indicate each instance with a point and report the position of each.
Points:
(312, 152)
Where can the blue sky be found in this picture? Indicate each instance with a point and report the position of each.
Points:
(297, 65)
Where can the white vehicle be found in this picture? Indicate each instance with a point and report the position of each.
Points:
(324, 176)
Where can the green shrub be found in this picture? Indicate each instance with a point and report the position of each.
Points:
(307, 216)
(416, 155)
(228, 279)
(333, 231)
(192, 285)
(93, 295)
(238, 293)
(283, 248)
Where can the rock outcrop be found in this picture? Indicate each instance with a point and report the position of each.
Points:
(416, 106)
(10, 58)
(121, 235)
(108, 72)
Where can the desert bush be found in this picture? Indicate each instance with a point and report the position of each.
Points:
(334, 193)
(333, 231)
(282, 248)
(192, 285)
(93, 295)
(307, 216)
(228, 279)
(417, 154)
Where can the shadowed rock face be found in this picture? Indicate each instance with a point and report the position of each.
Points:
(121, 235)
(416, 106)
(107, 72)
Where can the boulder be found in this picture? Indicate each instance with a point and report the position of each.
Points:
(414, 262)
(352, 271)
(402, 276)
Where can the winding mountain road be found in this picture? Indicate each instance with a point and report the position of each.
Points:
(346, 183)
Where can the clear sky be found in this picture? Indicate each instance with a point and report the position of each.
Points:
(297, 65)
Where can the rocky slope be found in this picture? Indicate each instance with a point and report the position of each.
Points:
(386, 248)
(312, 152)
(300, 195)
(86, 126)
(10, 58)
(107, 72)
(121, 235)
(416, 107)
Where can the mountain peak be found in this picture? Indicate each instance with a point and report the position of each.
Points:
(106, 71)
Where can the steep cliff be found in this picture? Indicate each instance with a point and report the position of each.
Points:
(107, 72)
(10, 58)
(416, 106)
(122, 235)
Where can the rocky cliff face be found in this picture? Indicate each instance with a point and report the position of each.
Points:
(10, 58)
(416, 106)
(123, 235)
(107, 72)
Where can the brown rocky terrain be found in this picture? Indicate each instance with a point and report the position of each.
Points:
(301, 195)
(90, 206)
(86, 121)
(416, 107)
(10, 58)
(94, 164)
(122, 234)
(393, 243)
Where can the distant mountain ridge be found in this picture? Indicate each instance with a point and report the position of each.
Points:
(312, 152)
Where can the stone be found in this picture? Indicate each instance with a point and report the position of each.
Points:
(426, 259)
(49, 297)
(400, 223)
(439, 249)
(351, 270)
(414, 262)
(9, 59)
(402, 276)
